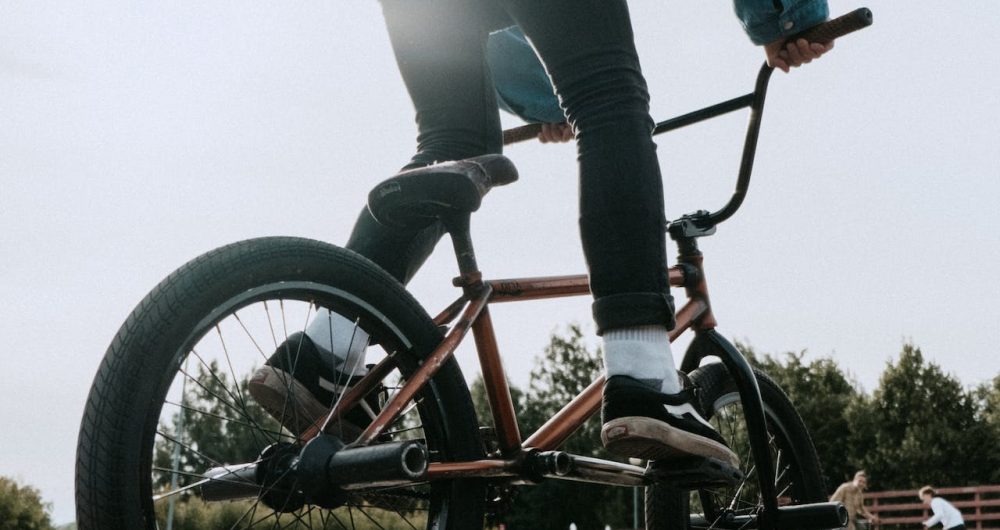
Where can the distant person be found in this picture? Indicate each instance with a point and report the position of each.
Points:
(945, 512)
(851, 494)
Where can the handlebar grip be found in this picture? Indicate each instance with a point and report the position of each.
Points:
(522, 133)
(831, 29)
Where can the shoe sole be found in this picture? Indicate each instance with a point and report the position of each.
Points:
(293, 405)
(650, 439)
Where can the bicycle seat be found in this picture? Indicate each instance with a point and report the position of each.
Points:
(417, 197)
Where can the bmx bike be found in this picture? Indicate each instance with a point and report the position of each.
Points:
(169, 422)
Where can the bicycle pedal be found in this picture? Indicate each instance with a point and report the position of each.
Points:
(694, 473)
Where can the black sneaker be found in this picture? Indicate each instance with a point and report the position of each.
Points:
(296, 387)
(640, 422)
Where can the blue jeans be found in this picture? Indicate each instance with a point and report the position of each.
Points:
(588, 49)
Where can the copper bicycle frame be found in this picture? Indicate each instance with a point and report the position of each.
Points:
(473, 308)
(565, 422)
(696, 314)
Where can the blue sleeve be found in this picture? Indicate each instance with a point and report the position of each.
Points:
(769, 20)
(523, 88)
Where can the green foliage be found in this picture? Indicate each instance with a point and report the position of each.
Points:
(565, 369)
(21, 507)
(482, 404)
(987, 398)
(919, 426)
(195, 514)
(923, 428)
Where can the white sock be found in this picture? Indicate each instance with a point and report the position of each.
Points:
(642, 353)
(338, 336)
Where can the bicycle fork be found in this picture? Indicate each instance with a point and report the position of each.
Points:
(708, 342)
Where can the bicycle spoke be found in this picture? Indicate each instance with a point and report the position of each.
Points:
(208, 369)
(344, 378)
(210, 392)
(178, 491)
(370, 518)
(252, 509)
(198, 475)
(188, 447)
(398, 431)
(274, 340)
(337, 519)
(277, 435)
(784, 490)
(232, 371)
(236, 316)
(284, 320)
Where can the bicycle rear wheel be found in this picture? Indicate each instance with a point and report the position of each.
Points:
(171, 397)
(798, 479)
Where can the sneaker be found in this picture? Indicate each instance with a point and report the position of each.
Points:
(296, 387)
(642, 423)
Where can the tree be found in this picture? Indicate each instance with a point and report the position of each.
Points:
(217, 425)
(822, 394)
(923, 428)
(482, 404)
(987, 398)
(21, 507)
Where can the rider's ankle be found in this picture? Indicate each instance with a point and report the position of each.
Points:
(339, 341)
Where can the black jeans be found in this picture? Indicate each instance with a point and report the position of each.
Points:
(588, 49)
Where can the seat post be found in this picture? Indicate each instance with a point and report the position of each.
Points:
(461, 238)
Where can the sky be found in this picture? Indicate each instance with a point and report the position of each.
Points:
(135, 136)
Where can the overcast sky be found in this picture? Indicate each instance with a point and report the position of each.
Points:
(136, 135)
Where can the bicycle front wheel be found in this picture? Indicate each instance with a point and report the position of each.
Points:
(798, 479)
(171, 398)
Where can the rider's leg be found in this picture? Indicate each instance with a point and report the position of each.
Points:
(441, 54)
(399, 252)
(588, 49)
(595, 68)
(440, 48)
(457, 119)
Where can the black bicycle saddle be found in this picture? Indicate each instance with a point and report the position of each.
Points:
(417, 197)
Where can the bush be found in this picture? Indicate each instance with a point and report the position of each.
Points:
(21, 507)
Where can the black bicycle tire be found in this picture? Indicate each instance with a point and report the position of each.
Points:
(668, 508)
(110, 454)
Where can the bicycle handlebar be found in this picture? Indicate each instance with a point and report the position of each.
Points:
(823, 33)
(521, 133)
(832, 29)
